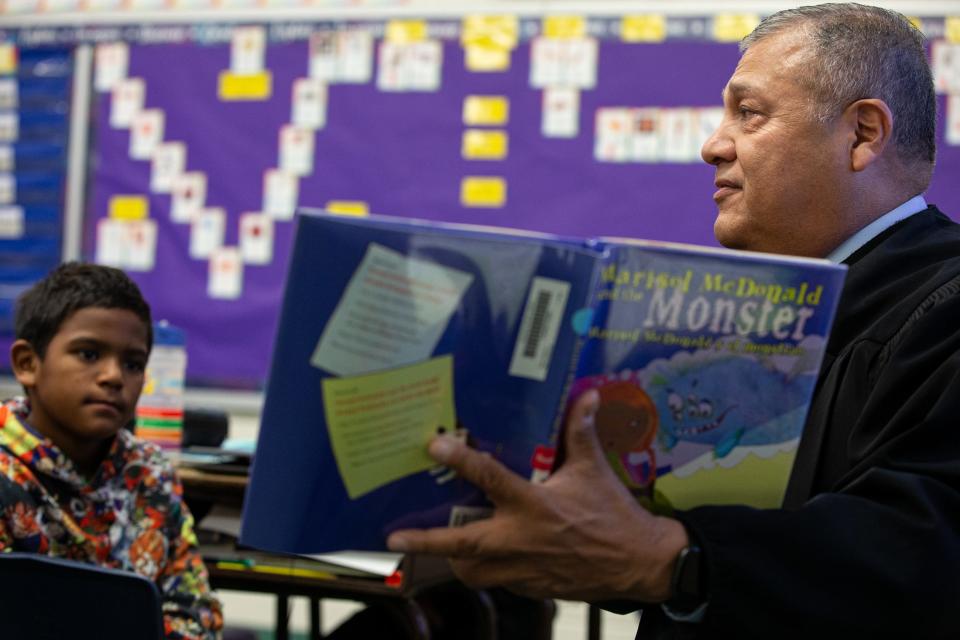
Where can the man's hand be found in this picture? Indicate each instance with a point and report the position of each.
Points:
(580, 535)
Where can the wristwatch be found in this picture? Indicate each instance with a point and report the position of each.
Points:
(687, 584)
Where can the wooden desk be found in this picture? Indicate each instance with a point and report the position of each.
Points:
(253, 571)
(217, 488)
(418, 574)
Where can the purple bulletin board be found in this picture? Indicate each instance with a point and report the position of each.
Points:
(400, 152)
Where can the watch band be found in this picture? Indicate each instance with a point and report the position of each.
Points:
(687, 584)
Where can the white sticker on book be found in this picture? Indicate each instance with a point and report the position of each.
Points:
(8, 188)
(645, 134)
(296, 150)
(370, 331)
(539, 327)
(11, 223)
(207, 231)
(126, 101)
(9, 126)
(256, 238)
(561, 112)
(281, 190)
(7, 158)
(111, 60)
(169, 161)
(225, 281)
(248, 50)
(146, 133)
(678, 135)
(188, 195)
(8, 93)
(309, 103)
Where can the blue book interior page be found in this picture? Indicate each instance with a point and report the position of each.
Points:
(705, 361)
(394, 332)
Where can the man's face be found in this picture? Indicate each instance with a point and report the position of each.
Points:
(780, 174)
(85, 388)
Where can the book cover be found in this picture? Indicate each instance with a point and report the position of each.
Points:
(393, 331)
(705, 361)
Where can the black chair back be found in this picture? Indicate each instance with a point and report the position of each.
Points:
(44, 598)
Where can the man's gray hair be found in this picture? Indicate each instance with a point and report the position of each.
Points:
(865, 52)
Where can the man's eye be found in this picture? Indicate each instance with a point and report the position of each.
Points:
(87, 355)
(746, 114)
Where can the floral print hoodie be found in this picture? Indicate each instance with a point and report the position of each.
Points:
(130, 515)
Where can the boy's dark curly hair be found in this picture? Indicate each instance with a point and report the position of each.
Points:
(72, 286)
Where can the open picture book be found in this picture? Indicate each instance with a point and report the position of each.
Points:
(393, 331)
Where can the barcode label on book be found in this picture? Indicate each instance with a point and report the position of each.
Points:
(461, 515)
(539, 328)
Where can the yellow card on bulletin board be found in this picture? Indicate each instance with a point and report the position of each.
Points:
(564, 27)
(951, 29)
(480, 144)
(401, 31)
(733, 27)
(129, 208)
(348, 207)
(480, 57)
(501, 32)
(486, 110)
(257, 86)
(483, 191)
(643, 28)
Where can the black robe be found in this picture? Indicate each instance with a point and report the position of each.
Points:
(868, 544)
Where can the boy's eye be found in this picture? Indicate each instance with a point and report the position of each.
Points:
(87, 355)
(136, 366)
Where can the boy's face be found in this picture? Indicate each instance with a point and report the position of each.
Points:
(85, 389)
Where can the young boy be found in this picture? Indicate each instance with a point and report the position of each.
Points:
(73, 482)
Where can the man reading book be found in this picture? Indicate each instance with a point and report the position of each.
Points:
(826, 145)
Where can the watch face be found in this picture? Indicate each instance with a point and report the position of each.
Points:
(687, 584)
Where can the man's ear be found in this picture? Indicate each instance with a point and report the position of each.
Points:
(25, 362)
(871, 123)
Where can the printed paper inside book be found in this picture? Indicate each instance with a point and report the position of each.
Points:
(393, 312)
(380, 423)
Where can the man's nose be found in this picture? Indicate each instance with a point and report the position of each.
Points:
(719, 147)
